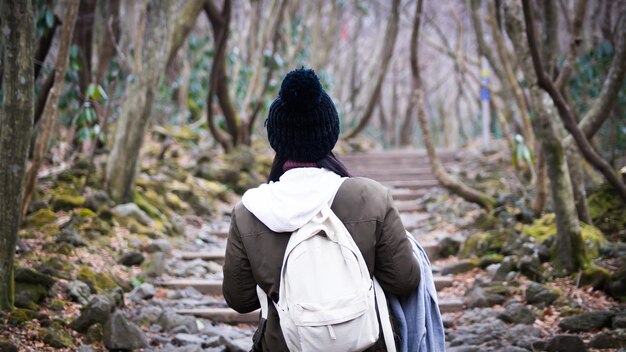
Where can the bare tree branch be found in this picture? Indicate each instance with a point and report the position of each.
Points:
(564, 110)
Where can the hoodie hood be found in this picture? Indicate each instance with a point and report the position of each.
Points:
(298, 196)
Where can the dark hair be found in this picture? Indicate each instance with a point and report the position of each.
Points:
(329, 162)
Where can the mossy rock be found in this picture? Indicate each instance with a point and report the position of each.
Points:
(19, 316)
(607, 210)
(7, 346)
(594, 276)
(84, 213)
(485, 221)
(105, 214)
(94, 333)
(543, 228)
(30, 276)
(146, 206)
(488, 259)
(154, 203)
(56, 267)
(482, 243)
(40, 218)
(67, 202)
(63, 249)
(174, 202)
(57, 338)
(56, 305)
(28, 296)
(99, 282)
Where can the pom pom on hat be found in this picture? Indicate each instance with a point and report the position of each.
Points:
(302, 124)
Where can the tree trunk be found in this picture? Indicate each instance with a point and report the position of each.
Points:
(218, 85)
(541, 184)
(453, 185)
(49, 115)
(185, 20)
(83, 38)
(565, 113)
(569, 245)
(595, 117)
(137, 108)
(111, 34)
(16, 122)
(43, 45)
(389, 41)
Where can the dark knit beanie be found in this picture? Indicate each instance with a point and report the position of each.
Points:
(303, 124)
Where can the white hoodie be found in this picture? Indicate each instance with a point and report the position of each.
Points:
(288, 204)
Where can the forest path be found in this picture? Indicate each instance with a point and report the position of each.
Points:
(196, 267)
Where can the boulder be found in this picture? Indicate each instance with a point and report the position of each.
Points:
(616, 284)
(507, 265)
(539, 295)
(71, 236)
(587, 321)
(78, 291)
(609, 339)
(132, 258)
(97, 200)
(187, 339)
(66, 202)
(143, 291)
(565, 343)
(169, 320)
(31, 287)
(159, 246)
(98, 310)
(530, 266)
(131, 210)
(57, 338)
(459, 267)
(478, 296)
(121, 334)
(449, 246)
(517, 313)
(619, 321)
(7, 346)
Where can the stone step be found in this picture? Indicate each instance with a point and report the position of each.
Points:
(228, 315)
(408, 206)
(217, 255)
(398, 154)
(401, 194)
(392, 177)
(214, 287)
(412, 184)
(392, 171)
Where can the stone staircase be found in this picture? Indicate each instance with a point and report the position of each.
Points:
(406, 173)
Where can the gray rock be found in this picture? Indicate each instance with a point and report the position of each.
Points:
(144, 291)
(243, 344)
(539, 295)
(179, 225)
(98, 310)
(131, 210)
(530, 266)
(148, 315)
(78, 291)
(619, 321)
(85, 348)
(459, 267)
(517, 313)
(71, 236)
(121, 334)
(478, 296)
(524, 336)
(449, 246)
(155, 265)
(159, 246)
(187, 339)
(465, 349)
(131, 258)
(507, 265)
(514, 349)
(169, 320)
(565, 343)
(98, 199)
(609, 339)
(30, 276)
(586, 321)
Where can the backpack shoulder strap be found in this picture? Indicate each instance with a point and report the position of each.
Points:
(385, 323)
(263, 301)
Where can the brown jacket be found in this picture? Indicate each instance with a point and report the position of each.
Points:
(254, 253)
